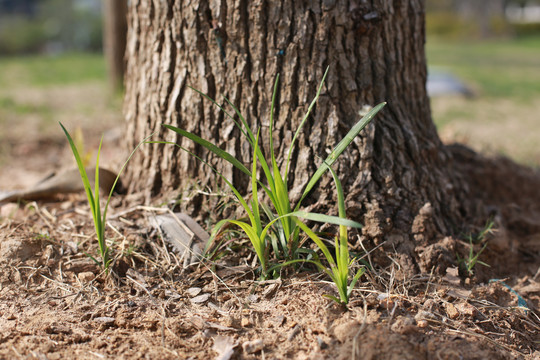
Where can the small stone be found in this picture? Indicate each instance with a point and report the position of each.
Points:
(294, 332)
(105, 320)
(251, 347)
(467, 309)
(422, 315)
(451, 311)
(194, 291)
(200, 299)
(86, 276)
(385, 301)
(83, 265)
(321, 343)
(224, 346)
(422, 323)
(245, 322)
(430, 305)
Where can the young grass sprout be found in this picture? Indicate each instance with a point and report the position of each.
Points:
(467, 264)
(340, 267)
(282, 227)
(99, 216)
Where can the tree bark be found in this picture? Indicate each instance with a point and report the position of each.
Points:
(397, 174)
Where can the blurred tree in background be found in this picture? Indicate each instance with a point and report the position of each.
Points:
(465, 19)
(50, 26)
(115, 36)
(55, 26)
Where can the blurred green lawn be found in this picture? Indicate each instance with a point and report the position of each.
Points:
(36, 92)
(504, 68)
(46, 71)
(504, 116)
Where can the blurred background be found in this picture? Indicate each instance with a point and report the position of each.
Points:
(53, 68)
(483, 58)
(484, 74)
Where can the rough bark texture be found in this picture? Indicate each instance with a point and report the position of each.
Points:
(397, 175)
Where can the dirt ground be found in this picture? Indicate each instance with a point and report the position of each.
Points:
(55, 303)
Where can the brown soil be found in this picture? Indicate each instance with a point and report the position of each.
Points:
(55, 303)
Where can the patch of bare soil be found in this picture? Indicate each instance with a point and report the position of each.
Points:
(56, 303)
(495, 127)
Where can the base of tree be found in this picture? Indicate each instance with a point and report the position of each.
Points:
(497, 189)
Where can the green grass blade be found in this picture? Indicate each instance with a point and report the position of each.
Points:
(264, 187)
(342, 245)
(271, 130)
(338, 150)
(355, 279)
(255, 196)
(256, 240)
(326, 218)
(247, 132)
(92, 258)
(268, 212)
(93, 199)
(100, 226)
(302, 123)
(295, 261)
(86, 182)
(215, 231)
(259, 154)
(282, 204)
(82, 171)
(211, 147)
(214, 149)
(280, 233)
(96, 176)
(317, 241)
(333, 298)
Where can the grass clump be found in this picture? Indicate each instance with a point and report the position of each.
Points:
(467, 263)
(340, 268)
(99, 216)
(278, 227)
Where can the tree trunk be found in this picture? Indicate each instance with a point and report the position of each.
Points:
(397, 174)
(114, 39)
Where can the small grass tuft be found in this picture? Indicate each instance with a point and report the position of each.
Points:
(467, 264)
(278, 227)
(100, 218)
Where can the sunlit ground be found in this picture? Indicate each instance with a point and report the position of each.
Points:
(37, 92)
(503, 116)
